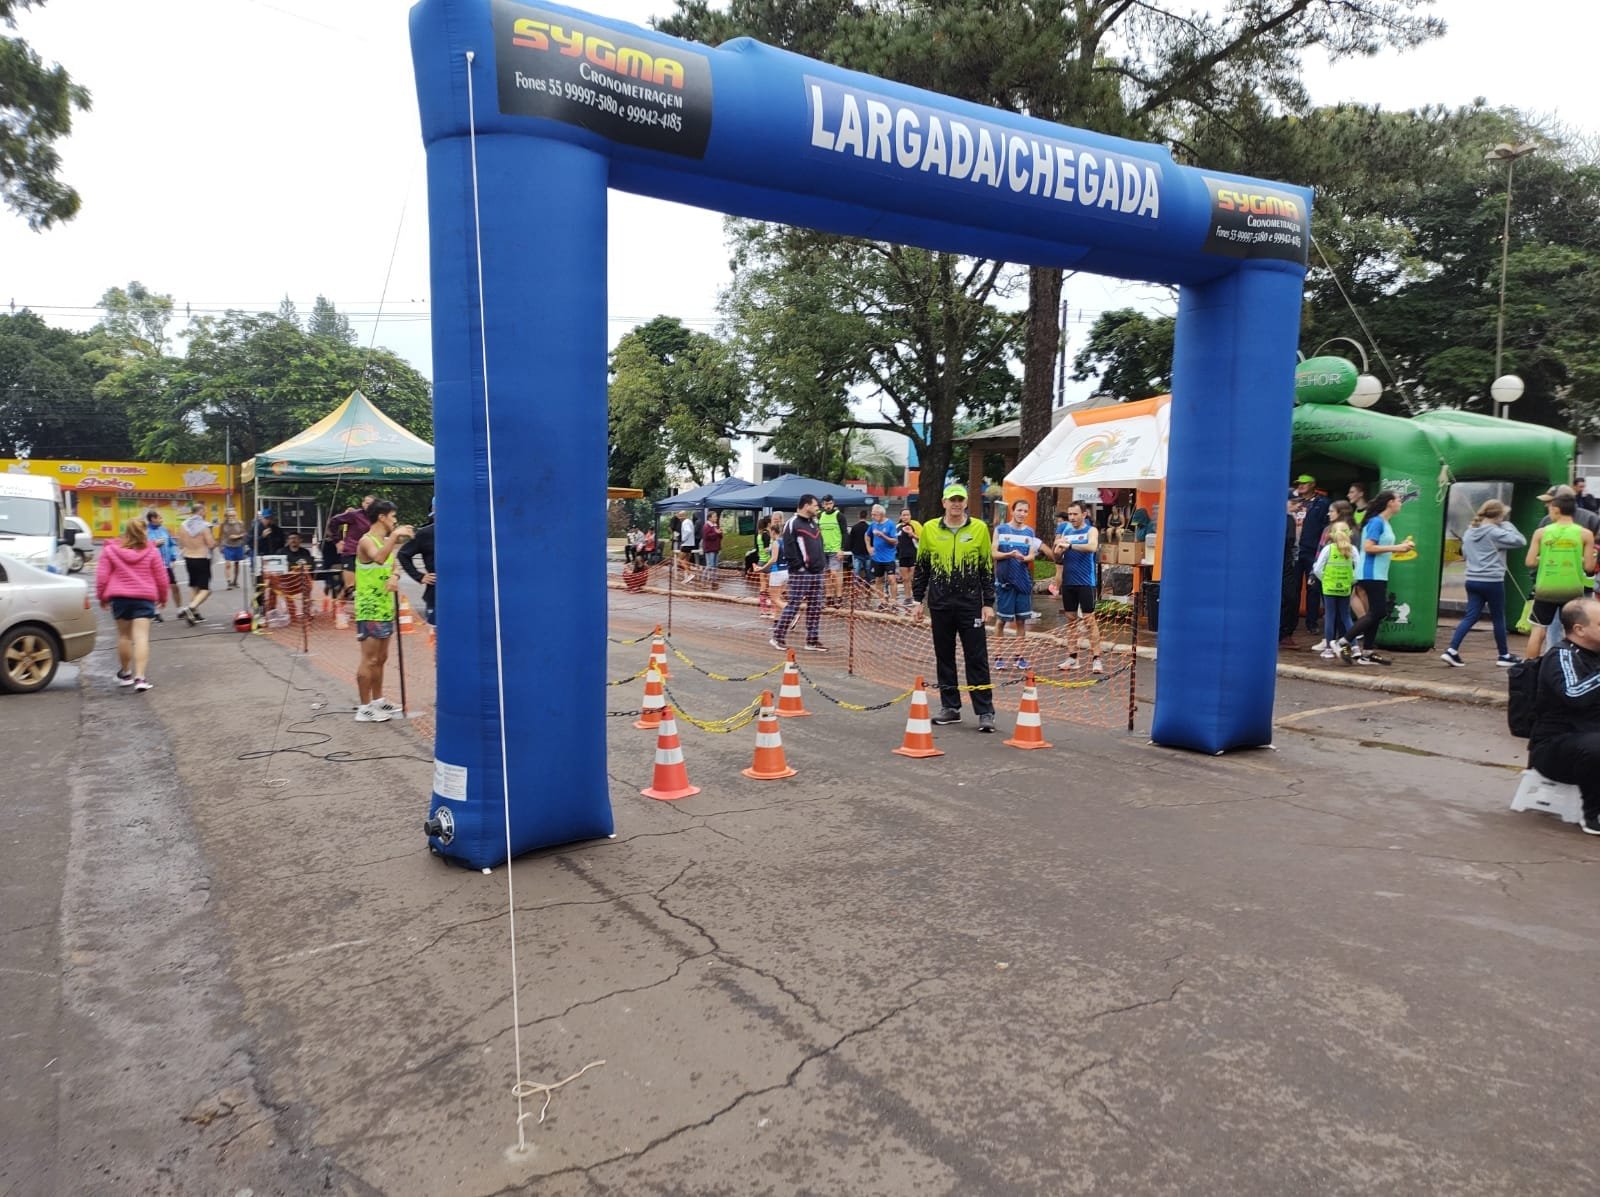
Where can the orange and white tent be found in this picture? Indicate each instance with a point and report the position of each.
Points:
(1116, 447)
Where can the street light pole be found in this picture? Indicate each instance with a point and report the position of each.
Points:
(1507, 153)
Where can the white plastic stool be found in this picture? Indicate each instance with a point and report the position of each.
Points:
(1538, 792)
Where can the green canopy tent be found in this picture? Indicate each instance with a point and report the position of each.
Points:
(355, 441)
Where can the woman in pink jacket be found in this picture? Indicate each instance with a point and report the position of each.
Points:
(131, 580)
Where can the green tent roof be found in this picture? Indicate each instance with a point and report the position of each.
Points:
(354, 440)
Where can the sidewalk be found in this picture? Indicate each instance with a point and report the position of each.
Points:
(1479, 681)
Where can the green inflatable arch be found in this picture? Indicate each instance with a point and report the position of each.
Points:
(1419, 459)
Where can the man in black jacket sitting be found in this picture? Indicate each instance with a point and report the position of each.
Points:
(1565, 742)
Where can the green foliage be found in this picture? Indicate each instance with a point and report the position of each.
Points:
(244, 383)
(817, 316)
(36, 105)
(328, 324)
(1408, 219)
(674, 395)
(48, 403)
(1130, 353)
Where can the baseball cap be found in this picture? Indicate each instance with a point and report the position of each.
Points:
(955, 491)
(266, 513)
(1555, 492)
(1304, 478)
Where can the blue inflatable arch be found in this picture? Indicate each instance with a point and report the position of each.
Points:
(529, 115)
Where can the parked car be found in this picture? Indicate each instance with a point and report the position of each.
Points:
(82, 546)
(45, 619)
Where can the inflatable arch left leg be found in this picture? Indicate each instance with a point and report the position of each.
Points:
(544, 298)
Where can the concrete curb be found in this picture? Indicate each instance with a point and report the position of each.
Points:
(1367, 680)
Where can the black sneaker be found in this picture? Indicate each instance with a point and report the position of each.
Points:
(1451, 657)
(195, 616)
(947, 715)
(1590, 824)
(986, 723)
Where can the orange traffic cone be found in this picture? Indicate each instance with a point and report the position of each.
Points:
(1030, 732)
(671, 778)
(404, 618)
(658, 654)
(654, 699)
(919, 727)
(790, 704)
(769, 764)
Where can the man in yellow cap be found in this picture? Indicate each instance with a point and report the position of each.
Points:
(955, 574)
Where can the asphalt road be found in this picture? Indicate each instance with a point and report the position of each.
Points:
(1338, 966)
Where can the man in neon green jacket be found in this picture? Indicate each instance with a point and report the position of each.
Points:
(955, 575)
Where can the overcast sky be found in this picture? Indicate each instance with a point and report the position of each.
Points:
(243, 150)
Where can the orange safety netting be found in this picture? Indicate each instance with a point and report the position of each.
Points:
(873, 635)
(866, 637)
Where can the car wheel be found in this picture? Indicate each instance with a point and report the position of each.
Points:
(28, 659)
(78, 560)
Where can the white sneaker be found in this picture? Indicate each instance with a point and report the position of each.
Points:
(370, 714)
(1097, 666)
(1069, 663)
(142, 684)
(1329, 655)
(383, 704)
(1320, 646)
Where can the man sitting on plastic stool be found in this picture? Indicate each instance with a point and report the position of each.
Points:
(1565, 743)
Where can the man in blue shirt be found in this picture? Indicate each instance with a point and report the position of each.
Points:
(156, 530)
(1015, 547)
(883, 536)
(1077, 551)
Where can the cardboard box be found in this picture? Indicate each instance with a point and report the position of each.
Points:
(1128, 552)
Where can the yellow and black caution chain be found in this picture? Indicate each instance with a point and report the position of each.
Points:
(729, 723)
(635, 640)
(718, 677)
(632, 677)
(850, 706)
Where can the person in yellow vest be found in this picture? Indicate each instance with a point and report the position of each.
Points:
(1335, 570)
(830, 522)
(1561, 553)
(376, 587)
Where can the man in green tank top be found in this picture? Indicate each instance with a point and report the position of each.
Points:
(1561, 553)
(830, 523)
(376, 587)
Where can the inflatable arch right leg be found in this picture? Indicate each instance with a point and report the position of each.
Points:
(1221, 546)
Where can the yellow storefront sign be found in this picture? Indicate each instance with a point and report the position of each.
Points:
(109, 493)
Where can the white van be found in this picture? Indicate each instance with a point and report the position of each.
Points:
(32, 527)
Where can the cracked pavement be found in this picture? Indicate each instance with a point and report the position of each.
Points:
(1103, 968)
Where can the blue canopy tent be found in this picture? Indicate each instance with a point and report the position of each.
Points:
(784, 492)
(709, 495)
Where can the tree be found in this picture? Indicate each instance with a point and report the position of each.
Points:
(1133, 68)
(328, 324)
(1130, 353)
(48, 403)
(674, 395)
(36, 106)
(247, 381)
(1407, 219)
(136, 318)
(818, 315)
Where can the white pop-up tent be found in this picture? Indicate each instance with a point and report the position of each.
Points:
(1123, 446)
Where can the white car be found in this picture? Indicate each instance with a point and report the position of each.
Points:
(82, 545)
(45, 619)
